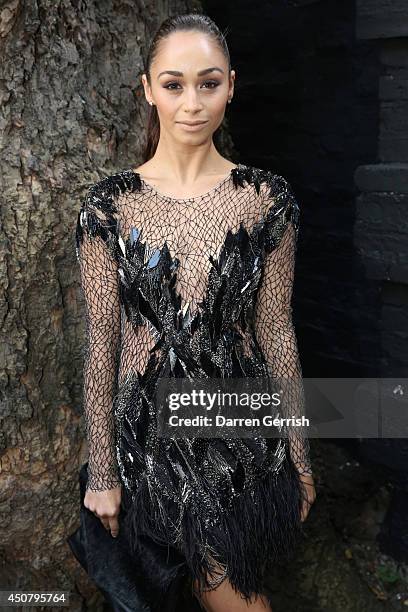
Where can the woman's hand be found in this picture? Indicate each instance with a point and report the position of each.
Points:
(309, 494)
(106, 506)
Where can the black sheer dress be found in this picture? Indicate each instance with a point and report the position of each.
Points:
(200, 286)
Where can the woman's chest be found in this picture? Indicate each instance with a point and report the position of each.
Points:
(187, 239)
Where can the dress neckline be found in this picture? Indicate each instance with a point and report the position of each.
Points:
(191, 198)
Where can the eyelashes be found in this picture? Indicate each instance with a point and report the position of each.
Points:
(213, 85)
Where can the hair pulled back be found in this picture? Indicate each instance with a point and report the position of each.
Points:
(177, 23)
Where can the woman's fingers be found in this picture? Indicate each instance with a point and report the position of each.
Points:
(114, 526)
(105, 505)
(105, 522)
(111, 524)
(309, 495)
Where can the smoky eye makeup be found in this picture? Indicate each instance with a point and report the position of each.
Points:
(207, 84)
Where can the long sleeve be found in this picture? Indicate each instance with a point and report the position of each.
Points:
(273, 313)
(99, 281)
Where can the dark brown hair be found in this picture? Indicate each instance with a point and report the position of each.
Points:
(186, 22)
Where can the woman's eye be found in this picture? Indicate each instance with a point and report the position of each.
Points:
(169, 85)
(212, 83)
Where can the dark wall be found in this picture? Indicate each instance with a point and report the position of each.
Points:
(306, 106)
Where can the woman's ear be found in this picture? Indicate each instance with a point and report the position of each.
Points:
(231, 86)
(146, 87)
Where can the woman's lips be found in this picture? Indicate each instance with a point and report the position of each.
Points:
(194, 127)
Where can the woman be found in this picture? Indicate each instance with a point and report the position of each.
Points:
(187, 269)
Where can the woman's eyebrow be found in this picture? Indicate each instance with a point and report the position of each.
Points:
(199, 73)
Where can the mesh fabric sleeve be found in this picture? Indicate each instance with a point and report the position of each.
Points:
(99, 282)
(273, 313)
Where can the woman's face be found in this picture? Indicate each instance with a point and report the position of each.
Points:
(181, 94)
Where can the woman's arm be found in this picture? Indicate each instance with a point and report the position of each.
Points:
(99, 280)
(273, 313)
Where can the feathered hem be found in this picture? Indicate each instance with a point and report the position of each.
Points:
(261, 528)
